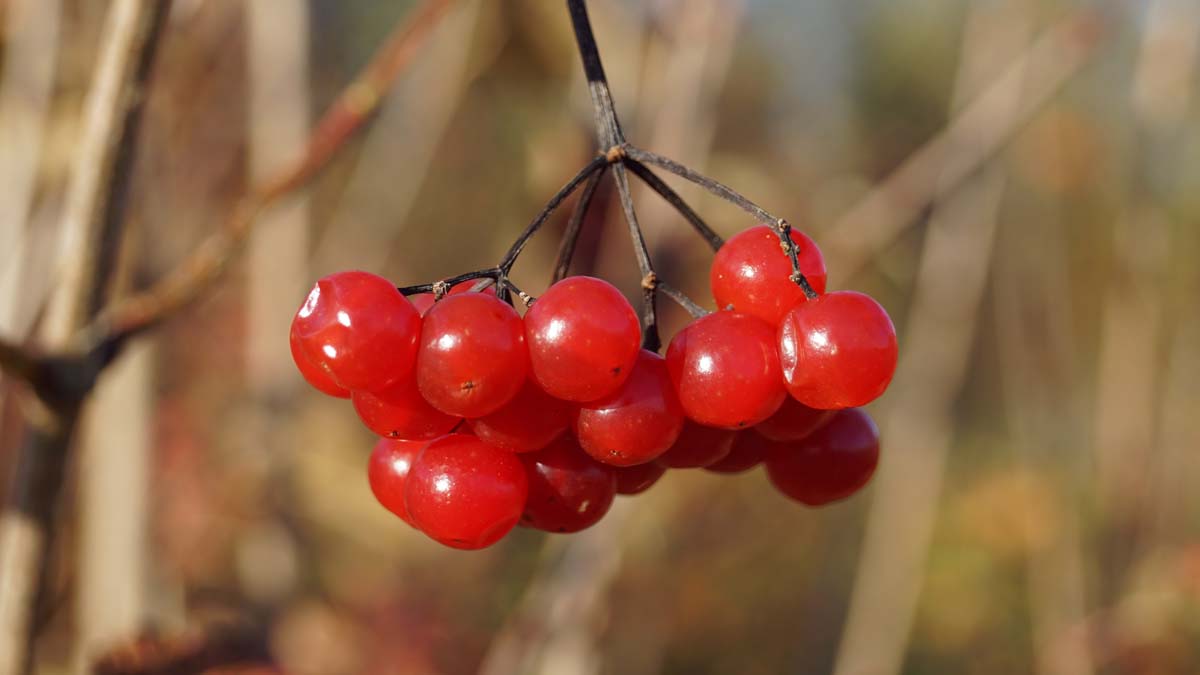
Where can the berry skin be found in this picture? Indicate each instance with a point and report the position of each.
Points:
(749, 450)
(387, 472)
(358, 328)
(568, 491)
(316, 376)
(633, 480)
(698, 446)
(530, 421)
(636, 423)
(472, 358)
(832, 464)
(583, 337)
(725, 367)
(793, 421)
(752, 273)
(465, 493)
(837, 351)
(401, 412)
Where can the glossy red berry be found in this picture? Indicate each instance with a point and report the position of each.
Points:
(472, 358)
(317, 377)
(748, 451)
(387, 472)
(698, 446)
(465, 493)
(528, 422)
(752, 273)
(583, 339)
(358, 328)
(832, 464)
(633, 480)
(837, 351)
(401, 412)
(793, 421)
(725, 367)
(568, 491)
(636, 423)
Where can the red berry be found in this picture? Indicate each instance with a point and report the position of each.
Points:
(838, 351)
(832, 464)
(725, 367)
(568, 491)
(698, 446)
(793, 421)
(465, 493)
(752, 273)
(636, 423)
(583, 339)
(472, 358)
(387, 471)
(528, 422)
(358, 328)
(401, 412)
(316, 376)
(632, 480)
(749, 450)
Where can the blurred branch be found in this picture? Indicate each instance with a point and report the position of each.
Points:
(94, 211)
(222, 643)
(353, 108)
(918, 424)
(973, 137)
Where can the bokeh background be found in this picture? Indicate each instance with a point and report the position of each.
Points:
(1017, 182)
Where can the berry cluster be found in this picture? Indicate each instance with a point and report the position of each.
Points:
(490, 419)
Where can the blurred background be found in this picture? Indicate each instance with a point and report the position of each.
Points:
(1017, 182)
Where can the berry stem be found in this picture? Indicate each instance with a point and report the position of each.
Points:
(570, 237)
(610, 137)
(608, 128)
(593, 167)
(779, 225)
(681, 299)
(494, 273)
(655, 183)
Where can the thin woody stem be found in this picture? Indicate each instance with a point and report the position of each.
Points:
(593, 167)
(570, 238)
(779, 225)
(671, 197)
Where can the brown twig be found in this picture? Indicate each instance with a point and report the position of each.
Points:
(94, 211)
(357, 103)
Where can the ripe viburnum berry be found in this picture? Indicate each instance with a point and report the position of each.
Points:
(568, 491)
(748, 451)
(583, 339)
(793, 421)
(636, 423)
(698, 446)
(465, 493)
(752, 273)
(833, 463)
(472, 358)
(528, 422)
(317, 377)
(401, 412)
(837, 351)
(633, 480)
(357, 327)
(725, 367)
(387, 472)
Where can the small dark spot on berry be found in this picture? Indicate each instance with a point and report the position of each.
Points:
(561, 529)
(468, 385)
(394, 433)
(616, 370)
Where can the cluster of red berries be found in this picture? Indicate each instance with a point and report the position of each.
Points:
(489, 418)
